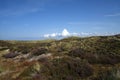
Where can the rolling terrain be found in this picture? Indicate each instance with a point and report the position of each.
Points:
(72, 58)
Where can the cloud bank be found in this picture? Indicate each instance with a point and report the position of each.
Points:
(66, 33)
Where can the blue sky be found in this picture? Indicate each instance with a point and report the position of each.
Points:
(20, 19)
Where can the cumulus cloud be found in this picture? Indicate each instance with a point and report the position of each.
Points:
(51, 35)
(66, 33)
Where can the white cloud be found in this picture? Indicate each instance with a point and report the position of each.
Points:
(54, 34)
(46, 35)
(65, 33)
(51, 35)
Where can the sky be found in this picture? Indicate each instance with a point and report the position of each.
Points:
(32, 19)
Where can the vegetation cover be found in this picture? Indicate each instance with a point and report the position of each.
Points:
(72, 58)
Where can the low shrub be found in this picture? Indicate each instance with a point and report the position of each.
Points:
(10, 55)
(39, 51)
(62, 68)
